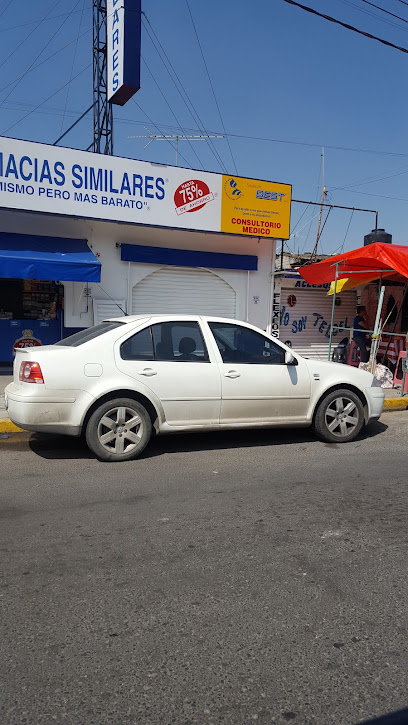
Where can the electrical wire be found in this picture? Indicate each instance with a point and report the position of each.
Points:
(384, 11)
(43, 61)
(211, 85)
(346, 25)
(159, 130)
(73, 63)
(179, 87)
(3, 133)
(4, 9)
(345, 236)
(46, 17)
(374, 15)
(24, 25)
(173, 114)
(38, 56)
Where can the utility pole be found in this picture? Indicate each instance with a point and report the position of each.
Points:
(102, 109)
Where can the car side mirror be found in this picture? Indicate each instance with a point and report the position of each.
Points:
(290, 358)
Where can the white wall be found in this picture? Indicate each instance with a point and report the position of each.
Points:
(102, 237)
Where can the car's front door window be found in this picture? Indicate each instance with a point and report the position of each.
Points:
(239, 344)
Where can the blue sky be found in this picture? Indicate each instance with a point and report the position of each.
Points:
(278, 73)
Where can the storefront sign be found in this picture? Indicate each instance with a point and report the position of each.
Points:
(123, 49)
(275, 314)
(258, 208)
(36, 177)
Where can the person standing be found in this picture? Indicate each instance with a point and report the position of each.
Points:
(360, 325)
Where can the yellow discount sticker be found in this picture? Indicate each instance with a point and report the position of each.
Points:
(256, 208)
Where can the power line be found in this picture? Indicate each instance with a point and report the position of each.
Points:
(384, 11)
(4, 9)
(346, 25)
(211, 85)
(3, 133)
(172, 112)
(32, 22)
(73, 64)
(159, 129)
(374, 15)
(38, 56)
(28, 36)
(43, 61)
(180, 88)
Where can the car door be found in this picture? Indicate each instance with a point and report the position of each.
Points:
(257, 385)
(171, 358)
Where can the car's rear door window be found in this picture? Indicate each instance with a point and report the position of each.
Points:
(167, 342)
(139, 346)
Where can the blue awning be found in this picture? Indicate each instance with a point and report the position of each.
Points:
(187, 257)
(27, 256)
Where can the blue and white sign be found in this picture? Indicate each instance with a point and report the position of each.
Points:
(37, 177)
(123, 49)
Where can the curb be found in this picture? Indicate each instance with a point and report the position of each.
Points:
(400, 403)
(6, 426)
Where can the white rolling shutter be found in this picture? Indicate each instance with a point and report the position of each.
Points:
(177, 290)
(106, 308)
(306, 324)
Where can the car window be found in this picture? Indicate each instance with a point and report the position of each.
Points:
(239, 344)
(89, 334)
(167, 341)
(138, 347)
(179, 342)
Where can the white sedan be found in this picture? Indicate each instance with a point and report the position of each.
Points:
(120, 381)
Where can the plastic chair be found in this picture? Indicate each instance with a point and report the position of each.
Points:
(397, 382)
(354, 357)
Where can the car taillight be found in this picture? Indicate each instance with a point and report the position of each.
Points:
(30, 372)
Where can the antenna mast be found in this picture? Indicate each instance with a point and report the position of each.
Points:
(102, 109)
(318, 235)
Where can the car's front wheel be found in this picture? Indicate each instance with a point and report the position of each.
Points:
(339, 417)
(119, 430)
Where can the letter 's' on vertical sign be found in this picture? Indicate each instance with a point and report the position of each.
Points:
(123, 51)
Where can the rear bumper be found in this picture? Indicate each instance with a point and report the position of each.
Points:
(48, 411)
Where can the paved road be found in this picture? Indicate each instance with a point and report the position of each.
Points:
(221, 579)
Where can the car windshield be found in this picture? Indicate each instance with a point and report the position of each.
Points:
(89, 334)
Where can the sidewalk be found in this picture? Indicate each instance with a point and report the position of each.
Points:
(393, 401)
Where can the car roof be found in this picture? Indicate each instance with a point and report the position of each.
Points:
(126, 319)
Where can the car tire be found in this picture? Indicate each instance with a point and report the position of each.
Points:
(119, 430)
(339, 417)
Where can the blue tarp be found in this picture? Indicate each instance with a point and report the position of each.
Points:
(187, 257)
(27, 256)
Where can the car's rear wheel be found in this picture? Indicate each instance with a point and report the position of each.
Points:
(339, 417)
(119, 430)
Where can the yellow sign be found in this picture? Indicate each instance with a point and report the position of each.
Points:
(255, 208)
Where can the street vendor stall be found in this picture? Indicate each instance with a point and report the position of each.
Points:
(383, 262)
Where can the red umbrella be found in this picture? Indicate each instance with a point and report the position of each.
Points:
(362, 265)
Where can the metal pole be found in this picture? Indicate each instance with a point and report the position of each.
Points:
(377, 328)
(333, 306)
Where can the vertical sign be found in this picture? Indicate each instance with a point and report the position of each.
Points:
(123, 49)
(275, 314)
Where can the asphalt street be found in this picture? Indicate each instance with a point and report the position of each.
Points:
(222, 578)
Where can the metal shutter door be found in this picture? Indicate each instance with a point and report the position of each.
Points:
(105, 309)
(304, 328)
(176, 290)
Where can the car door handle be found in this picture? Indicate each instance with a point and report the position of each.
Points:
(148, 372)
(232, 374)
